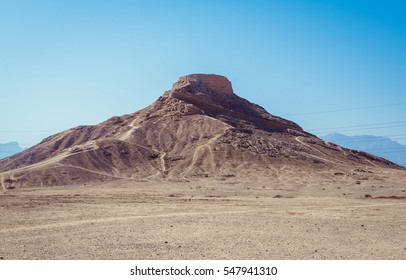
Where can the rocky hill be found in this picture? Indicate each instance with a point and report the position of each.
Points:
(198, 129)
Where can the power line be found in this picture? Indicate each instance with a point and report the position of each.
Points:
(371, 139)
(347, 109)
(380, 127)
(382, 152)
(364, 141)
(362, 126)
(373, 136)
(386, 149)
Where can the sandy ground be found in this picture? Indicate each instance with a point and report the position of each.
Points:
(200, 220)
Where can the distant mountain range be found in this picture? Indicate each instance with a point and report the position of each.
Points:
(377, 145)
(9, 149)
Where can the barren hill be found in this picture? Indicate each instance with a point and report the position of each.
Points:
(198, 129)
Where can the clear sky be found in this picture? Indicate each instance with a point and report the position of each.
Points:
(70, 63)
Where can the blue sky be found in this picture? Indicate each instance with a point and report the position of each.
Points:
(323, 64)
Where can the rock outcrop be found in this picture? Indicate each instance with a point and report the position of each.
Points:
(198, 129)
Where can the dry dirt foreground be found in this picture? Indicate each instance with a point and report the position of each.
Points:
(200, 220)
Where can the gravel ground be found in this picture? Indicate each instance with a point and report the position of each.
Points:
(198, 220)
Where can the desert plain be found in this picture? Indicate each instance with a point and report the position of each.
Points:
(206, 219)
